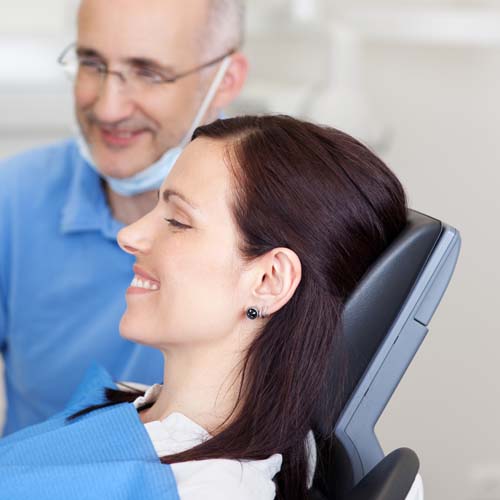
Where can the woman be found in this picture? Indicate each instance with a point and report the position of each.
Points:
(261, 232)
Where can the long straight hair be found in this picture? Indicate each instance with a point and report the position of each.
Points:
(325, 196)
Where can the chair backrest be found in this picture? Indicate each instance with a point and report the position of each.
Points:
(385, 321)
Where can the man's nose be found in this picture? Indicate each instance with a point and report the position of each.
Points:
(114, 102)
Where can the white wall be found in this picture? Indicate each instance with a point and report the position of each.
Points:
(35, 98)
(441, 108)
(33, 17)
(444, 110)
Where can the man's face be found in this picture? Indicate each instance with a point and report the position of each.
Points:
(125, 129)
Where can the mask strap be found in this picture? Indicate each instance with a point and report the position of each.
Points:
(214, 87)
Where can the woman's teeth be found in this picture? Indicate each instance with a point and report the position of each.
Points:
(144, 283)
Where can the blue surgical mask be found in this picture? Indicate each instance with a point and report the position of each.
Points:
(152, 177)
(149, 179)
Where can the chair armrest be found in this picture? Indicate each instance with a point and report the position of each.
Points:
(390, 479)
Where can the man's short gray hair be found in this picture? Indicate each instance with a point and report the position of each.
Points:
(225, 26)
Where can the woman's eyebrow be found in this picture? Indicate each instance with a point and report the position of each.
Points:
(167, 193)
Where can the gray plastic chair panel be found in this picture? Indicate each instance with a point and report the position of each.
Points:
(355, 427)
(385, 322)
(375, 304)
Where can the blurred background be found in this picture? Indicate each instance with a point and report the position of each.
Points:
(417, 81)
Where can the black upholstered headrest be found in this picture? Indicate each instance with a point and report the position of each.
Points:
(375, 304)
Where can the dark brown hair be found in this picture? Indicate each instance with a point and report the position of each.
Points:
(324, 195)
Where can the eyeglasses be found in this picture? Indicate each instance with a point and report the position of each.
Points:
(139, 75)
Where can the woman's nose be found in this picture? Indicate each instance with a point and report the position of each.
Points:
(135, 238)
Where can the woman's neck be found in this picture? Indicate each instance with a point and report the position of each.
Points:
(202, 383)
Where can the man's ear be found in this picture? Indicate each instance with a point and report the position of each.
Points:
(232, 83)
(280, 272)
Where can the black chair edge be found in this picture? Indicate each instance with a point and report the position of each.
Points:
(390, 479)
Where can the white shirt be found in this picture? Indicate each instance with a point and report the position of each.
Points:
(417, 490)
(220, 479)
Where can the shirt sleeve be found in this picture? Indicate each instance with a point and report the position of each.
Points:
(417, 490)
(221, 479)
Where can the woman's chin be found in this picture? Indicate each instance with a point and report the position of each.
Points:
(132, 332)
(137, 338)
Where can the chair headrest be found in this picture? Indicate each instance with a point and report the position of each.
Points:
(374, 305)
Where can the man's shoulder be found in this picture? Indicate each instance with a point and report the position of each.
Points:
(39, 166)
(40, 172)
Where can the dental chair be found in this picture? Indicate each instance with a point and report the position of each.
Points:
(385, 321)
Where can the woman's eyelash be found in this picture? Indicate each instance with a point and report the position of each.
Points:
(177, 224)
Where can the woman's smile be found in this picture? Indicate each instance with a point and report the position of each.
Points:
(142, 282)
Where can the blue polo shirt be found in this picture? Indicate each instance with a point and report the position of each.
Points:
(62, 284)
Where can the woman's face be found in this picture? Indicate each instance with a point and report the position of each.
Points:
(189, 285)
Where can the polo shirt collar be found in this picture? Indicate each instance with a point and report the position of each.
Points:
(86, 208)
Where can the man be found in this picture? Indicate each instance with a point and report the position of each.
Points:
(146, 72)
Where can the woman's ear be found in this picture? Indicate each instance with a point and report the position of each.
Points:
(280, 272)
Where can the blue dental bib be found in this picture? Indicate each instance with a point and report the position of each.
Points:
(106, 454)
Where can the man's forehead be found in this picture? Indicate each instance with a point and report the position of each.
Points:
(142, 28)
